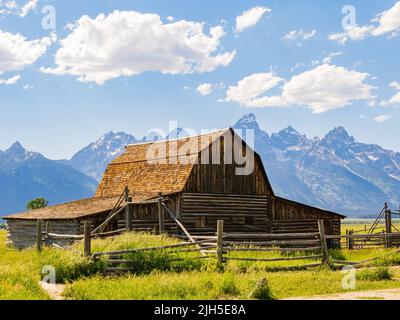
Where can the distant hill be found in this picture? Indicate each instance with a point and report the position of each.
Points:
(26, 175)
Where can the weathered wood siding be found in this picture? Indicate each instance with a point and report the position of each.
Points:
(22, 233)
(222, 177)
(200, 211)
(286, 210)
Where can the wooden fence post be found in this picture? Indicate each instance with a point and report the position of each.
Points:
(39, 235)
(129, 213)
(324, 246)
(86, 238)
(220, 241)
(351, 241)
(161, 227)
(388, 221)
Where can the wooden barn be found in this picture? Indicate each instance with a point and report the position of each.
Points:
(202, 179)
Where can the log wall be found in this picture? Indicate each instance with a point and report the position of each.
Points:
(22, 233)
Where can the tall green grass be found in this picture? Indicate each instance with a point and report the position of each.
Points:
(216, 285)
(154, 276)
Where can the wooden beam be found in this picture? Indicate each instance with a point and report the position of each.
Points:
(129, 214)
(325, 253)
(161, 226)
(220, 241)
(39, 236)
(87, 238)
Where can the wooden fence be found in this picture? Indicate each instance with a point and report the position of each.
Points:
(227, 246)
(222, 245)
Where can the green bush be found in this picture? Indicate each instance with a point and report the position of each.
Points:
(148, 261)
(262, 291)
(69, 265)
(378, 274)
(228, 285)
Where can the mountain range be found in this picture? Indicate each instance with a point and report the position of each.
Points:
(26, 175)
(335, 172)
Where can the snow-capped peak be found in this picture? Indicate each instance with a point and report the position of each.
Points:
(248, 121)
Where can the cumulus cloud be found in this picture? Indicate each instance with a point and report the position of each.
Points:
(321, 89)
(327, 87)
(299, 35)
(382, 118)
(16, 52)
(205, 89)
(251, 91)
(387, 22)
(12, 80)
(127, 43)
(250, 18)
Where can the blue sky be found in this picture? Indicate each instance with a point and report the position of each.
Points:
(309, 79)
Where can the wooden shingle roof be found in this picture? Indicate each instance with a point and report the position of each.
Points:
(161, 166)
(78, 209)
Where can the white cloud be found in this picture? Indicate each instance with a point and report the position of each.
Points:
(327, 87)
(323, 88)
(250, 18)
(388, 22)
(12, 80)
(251, 90)
(382, 118)
(16, 52)
(28, 87)
(30, 5)
(299, 35)
(12, 7)
(395, 85)
(328, 59)
(127, 43)
(205, 89)
(351, 33)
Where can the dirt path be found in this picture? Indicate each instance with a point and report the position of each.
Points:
(386, 294)
(55, 291)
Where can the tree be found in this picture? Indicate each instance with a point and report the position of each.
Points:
(37, 204)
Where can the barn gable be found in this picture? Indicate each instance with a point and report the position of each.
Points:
(186, 164)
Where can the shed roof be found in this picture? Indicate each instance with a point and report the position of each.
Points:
(78, 209)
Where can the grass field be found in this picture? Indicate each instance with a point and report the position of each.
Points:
(154, 278)
(362, 225)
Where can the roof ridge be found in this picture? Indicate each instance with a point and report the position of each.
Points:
(177, 139)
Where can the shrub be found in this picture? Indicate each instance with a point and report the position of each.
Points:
(228, 285)
(262, 291)
(148, 261)
(378, 274)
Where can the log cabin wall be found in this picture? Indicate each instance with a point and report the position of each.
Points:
(200, 212)
(283, 210)
(22, 233)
